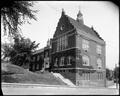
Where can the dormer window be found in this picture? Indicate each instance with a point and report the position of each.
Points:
(99, 49)
(85, 45)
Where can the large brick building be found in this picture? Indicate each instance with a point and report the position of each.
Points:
(78, 52)
(41, 59)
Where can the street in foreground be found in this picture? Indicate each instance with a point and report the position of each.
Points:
(30, 89)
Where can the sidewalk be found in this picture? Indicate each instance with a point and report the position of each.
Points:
(113, 86)
(41, 89)
(45, 85)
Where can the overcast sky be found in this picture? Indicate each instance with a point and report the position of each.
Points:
(103, 16)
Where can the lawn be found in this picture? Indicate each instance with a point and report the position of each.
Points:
(15, 74)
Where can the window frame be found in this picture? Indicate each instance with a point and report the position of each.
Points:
(34, 58)
(62, 43)
(69, 58)
(62, 60)
(86, 58)
(56, 62)
(99, 63)
(38, 57)
(98, 49)
(85, 44)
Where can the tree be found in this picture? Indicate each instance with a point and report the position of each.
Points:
(14, 14)
(109, 74)
(21, 51)
(5, 49)
(116, 73)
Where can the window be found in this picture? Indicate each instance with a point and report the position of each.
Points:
(85, 60)
(46, 54)
(33, 58)
(38, 58)
(62, 61)
(85, 44)
(37, 66)
(69, 60)
(78, 83)
(61, 28)
(86, 76)
(58, 44)
(47, 65)
(99, 63)
(100, 76)
(56, 62)
(66, 43)
(54, 46)
(62, 43)
(99, 49)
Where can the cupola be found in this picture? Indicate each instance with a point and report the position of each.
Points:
(80, 17)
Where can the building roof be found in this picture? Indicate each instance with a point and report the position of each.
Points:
(83, 27)
(38, 51)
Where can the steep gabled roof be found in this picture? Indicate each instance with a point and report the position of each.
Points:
(83, 27)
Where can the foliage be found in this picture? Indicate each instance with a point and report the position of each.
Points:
(14, 14)
(21, 51)
(109, 74)
(5, 49)
(116, 73)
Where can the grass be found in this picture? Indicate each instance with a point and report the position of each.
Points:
(15, 74)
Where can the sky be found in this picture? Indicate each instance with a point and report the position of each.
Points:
(102, 15)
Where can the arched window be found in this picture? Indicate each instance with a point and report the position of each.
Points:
(85, 60)
(99, 63)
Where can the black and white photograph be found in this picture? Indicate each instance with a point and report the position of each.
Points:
(59, 48)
